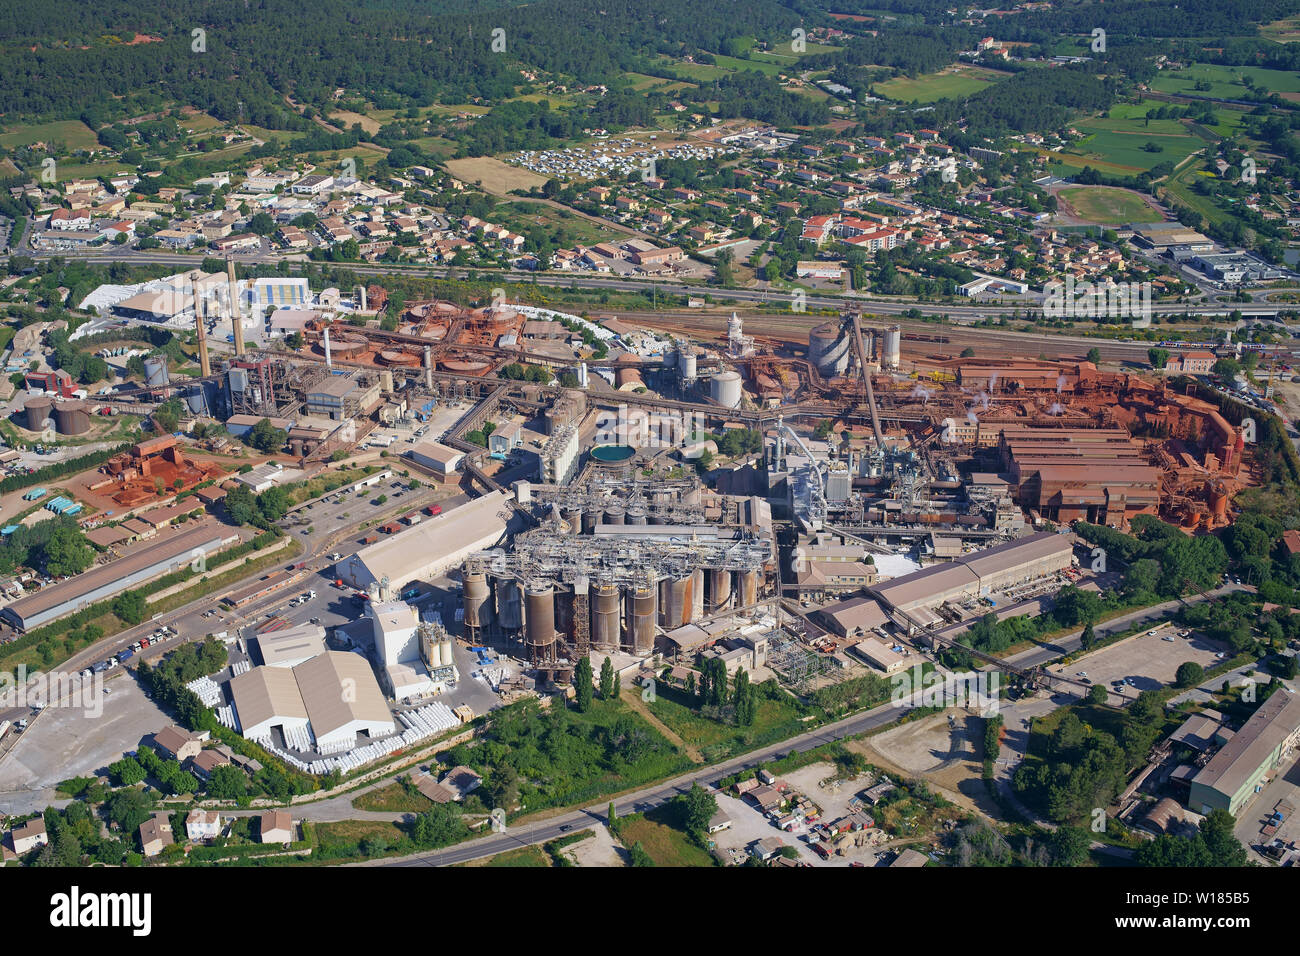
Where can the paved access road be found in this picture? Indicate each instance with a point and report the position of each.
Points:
(648, 798)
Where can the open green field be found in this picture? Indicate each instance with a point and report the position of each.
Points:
(1282, 31)
(558, 101)
(773, 718)
(1226, 81)
(946, 84)
(1105, 205)
(72, 133)
(703, 72)
(643, 81)
(1116, 142)
(1180, 188)
(392, 798)
(199, 122)
(665, 845)
(520, 216)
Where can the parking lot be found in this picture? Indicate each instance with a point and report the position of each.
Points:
(1148, 661)
(63, 742)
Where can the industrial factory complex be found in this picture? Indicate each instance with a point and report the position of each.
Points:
(588, 489)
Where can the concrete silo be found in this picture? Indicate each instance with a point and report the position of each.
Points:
(892, 354)
(606, 617)
(539, 623)
(642, 614)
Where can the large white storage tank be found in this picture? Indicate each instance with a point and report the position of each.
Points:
(727, 388)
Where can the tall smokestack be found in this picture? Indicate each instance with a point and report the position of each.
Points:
(363, 299)
(428, 367)
(328, 362)
(205, 367)
(236, 321)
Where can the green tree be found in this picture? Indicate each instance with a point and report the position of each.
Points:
(1088, 638)
(1097, 694)
(606, 679)
(1158, 357)
(1189, 674)
(696, 808)
(227, 783)
(130, 606)
(273, 503)
(66, 552)
(582, 684)
(265, 437)
(1068, 846)
(240, 504)
(1094, 355)
(126, 772)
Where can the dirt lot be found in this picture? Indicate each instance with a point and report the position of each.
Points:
(942, 754)
(599, 849)
(495, 175)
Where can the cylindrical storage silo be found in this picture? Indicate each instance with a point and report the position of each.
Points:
(828, 350)
(747, 588)
(727, 388)
(697, 594)
(675, 601)
(614, 514)
(892, 353)
(606, 617)
(539, 621)
(155, 370)
(589, 521)
(510, 605)
(688, 364)
(37, 412)
(658, 516)
(573, 518)
(475, 598)
(445, 654)
(637, 515)
(641, 620)
(719, 580)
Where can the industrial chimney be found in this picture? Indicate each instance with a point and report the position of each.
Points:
(205, 367)
(328, 362)
(236, 320)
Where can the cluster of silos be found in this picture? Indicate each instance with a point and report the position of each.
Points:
(727, 388)
(828, 350)
(892, 353)
(436, 646)
(67, 417)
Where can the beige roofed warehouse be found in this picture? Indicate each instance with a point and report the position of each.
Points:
(980, 573)
(328, 699)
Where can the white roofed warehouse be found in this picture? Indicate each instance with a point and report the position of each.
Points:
(429, 548)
